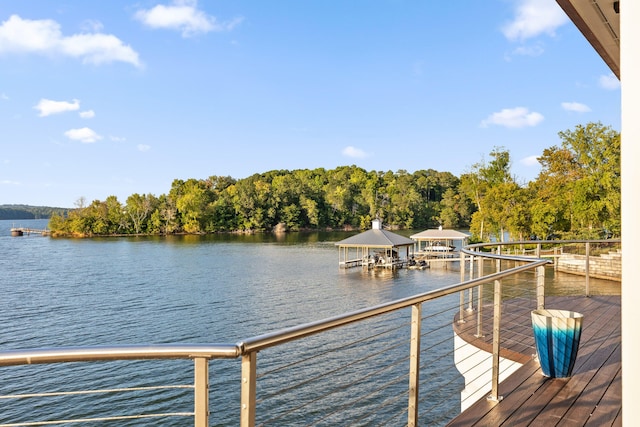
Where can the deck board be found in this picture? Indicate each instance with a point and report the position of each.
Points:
(591, 396)
(608, 410)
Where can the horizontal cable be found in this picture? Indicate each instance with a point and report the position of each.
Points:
(323, 374)
(89, 420)
(372, 393)
(80, 392)
(341, 346)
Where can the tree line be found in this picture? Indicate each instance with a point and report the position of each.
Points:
(29, 212)
(576, 194)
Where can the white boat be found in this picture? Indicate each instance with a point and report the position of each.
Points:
(438, 247)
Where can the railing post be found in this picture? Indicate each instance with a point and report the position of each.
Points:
(470, 306)
(497, 315)
(414, 365)
(540, 286)
(248, 390)
(461, 315)
(586, 269)
(201, 392)
(480, 321)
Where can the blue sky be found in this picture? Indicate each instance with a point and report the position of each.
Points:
(101, 98)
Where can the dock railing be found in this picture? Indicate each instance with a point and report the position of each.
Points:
(388, 364)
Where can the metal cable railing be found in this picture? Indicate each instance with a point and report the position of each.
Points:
(374, 366)
(351, 362)
(474, 352)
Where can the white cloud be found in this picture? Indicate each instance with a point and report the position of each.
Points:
(84, 135)
(144, 147)
(9, 182)
(609, 82)
(4, 96)
(534, 17)
(98, 49)
(575, 106)
(117, 138)
(530, 161)
(44, 37)
(89, 114)
(184, 16)
(48, 107)
(351, 151)
(513, 118)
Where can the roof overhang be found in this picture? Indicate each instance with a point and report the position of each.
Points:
(375, 238)
(599, 22)
(437, 234)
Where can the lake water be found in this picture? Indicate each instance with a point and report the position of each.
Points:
(175, 289)
(66, 292)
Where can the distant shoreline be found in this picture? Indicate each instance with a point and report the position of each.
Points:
(25, 212)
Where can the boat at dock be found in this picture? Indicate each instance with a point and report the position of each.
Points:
(439, 247)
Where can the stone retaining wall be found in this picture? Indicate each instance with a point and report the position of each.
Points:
(605, 266)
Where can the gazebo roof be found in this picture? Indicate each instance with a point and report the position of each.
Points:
(376, 238)
(440, 234)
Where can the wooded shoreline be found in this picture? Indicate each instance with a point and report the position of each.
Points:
(576, 195)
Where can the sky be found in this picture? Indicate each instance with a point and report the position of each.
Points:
(113, 98)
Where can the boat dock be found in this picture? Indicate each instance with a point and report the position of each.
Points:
(21, 231)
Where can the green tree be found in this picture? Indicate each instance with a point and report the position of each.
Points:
(490, 186)
(139, 208)
(506, 210)
(456, 210)
(339, 195)
(57, 224)
(404, 199)
(285, 200)
(250, 200)
(214, 216)
(117, 220)
(580, 183)
(191, 200)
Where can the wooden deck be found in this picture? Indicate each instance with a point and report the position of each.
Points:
(592, 396)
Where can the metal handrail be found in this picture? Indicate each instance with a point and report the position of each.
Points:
(129, 352)
(256, 343)
(282, 336)
(244, 347)
(247, 349)
(252, 346)
(544, 242)
(468, 249)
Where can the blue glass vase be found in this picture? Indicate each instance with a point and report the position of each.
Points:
(557, 335)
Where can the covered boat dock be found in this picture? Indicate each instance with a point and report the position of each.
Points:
(438, 241)
(375, 248)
